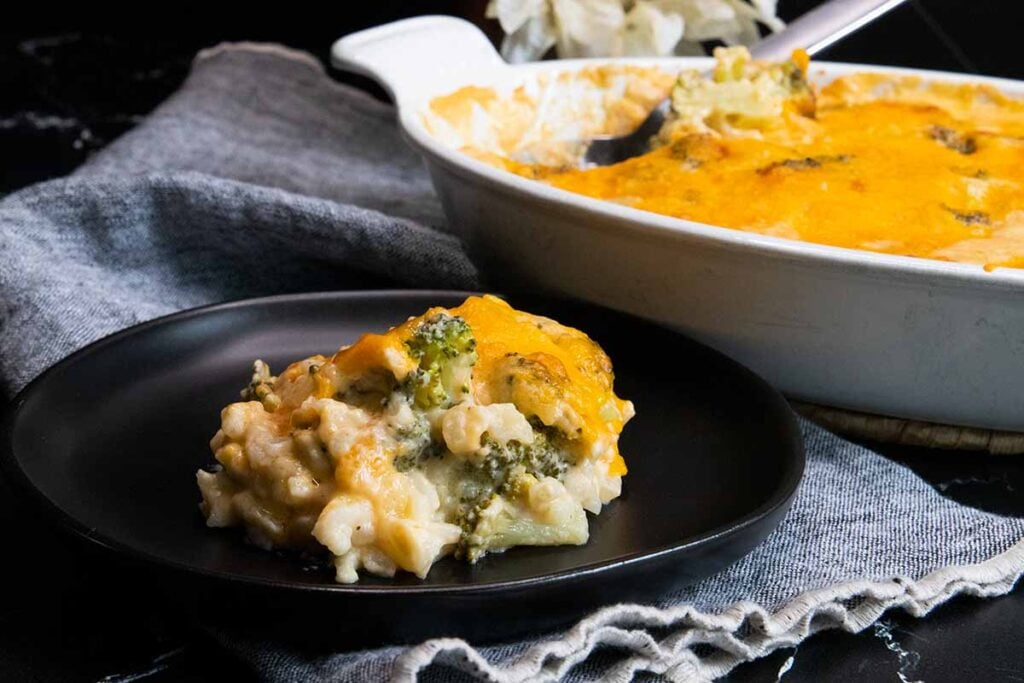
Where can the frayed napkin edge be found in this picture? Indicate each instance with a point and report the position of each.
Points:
(743, 632)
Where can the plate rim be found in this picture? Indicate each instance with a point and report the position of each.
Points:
(781, 497)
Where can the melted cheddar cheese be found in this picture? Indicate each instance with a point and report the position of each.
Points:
(889, 164)
(465, 430)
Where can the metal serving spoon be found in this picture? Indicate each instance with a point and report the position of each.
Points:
(814, 31)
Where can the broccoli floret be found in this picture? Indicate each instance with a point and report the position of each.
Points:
(415, 441)
(499, 473)
(446, 350)
(542, 458)
(414, 456)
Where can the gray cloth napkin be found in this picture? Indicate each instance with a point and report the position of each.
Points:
(259, 158)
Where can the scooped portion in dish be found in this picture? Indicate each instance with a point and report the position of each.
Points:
(885, 163)
(463, 431)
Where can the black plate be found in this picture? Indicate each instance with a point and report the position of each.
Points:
(110, 438)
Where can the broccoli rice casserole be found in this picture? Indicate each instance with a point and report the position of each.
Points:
(463, 431)
(882, 162)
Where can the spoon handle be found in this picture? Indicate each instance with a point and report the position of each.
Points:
(826, 24)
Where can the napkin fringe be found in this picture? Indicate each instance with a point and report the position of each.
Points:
(743, 632)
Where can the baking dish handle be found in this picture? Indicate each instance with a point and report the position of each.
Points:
(419, 56)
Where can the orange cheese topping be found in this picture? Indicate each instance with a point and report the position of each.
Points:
(558, 364)
(885, 164)
(568, 364)
(921, 171)
(375, 351)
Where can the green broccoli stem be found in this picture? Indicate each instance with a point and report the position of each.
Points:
(498, 473)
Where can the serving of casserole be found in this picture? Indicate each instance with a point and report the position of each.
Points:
(467, 430)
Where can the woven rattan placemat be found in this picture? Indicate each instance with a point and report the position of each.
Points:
(911, 432)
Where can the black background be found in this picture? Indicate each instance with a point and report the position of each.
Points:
(74, 77)
(88, 73)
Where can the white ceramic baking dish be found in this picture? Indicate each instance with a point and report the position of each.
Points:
(894, 335)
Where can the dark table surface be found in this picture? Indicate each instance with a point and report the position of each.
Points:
(70, 84)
